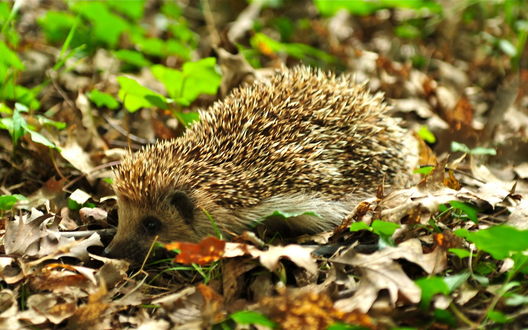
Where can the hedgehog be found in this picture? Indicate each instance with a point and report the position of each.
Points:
(305, 142)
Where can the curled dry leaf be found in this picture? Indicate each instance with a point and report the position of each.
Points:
(43, 307)
(8, 303)
(182, 307)
(37, 234)
(380, 271)
(10, 270)
(25, 231)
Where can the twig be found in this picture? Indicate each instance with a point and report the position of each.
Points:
(126, 133)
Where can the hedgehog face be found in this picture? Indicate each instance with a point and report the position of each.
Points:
(170, 219)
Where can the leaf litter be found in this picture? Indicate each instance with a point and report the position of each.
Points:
(53, 275)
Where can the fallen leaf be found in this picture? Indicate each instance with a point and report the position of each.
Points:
(210, 249)
(380, 271)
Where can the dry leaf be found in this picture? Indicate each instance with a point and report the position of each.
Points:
(208, 250)
(380, 271)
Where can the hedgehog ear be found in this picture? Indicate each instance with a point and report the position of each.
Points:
(181, 201)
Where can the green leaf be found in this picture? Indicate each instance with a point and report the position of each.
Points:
(424, 170)
(513, 299)
(461, 253)
(108, 180)
(196, 78)
(431, 286)
(5, 109)
(73, 205)
(426, 134)
(459, 147)
(520, 263)
(9, 58)
(15, 126)
(286, 215)
(107, 27)
(384, 228)
(131, 57)
(131, 8)
(408, 31)
(8, 201)
(102, 99)
(250, 317)
(46, 121)
(483, 151)
(39, 138)
(499, 241)
(301, 51)
(188, 118)
(455, 281)
(466, 208)
(357, 226)
(134, 96)
(498, 317)
(368, 7)
(56, 25)
(342, 326)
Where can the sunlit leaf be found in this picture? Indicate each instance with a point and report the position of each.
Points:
(426, 134)
(431, 286)
(251, 317)
(499, 241)
(467, 209)
(135, 96)
(102, 99)
(8, 201)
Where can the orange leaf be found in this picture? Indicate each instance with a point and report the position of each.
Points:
(208, 250)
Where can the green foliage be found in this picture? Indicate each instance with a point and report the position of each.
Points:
(467, 209)
(367, 7)
(431, 286)
(106, 27)
(460, 147)
(7, 18)
(498, 317)
(341, 326)
(424, 170)
(426, 134)
(131, 8)
(251, 317)
(305, 52)
(56, 25)
(8, 201)
(499, 241)
(408, 31)
(383, 229)
(194, 79)
(17, 127)
(285, 215)
(461, 253)
(134, 96)
(102, 99)
(133, 58)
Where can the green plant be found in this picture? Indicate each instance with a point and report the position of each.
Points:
(383, 229)
(17, 127)
(460, 147)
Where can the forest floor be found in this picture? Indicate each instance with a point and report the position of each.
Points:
(85, 82)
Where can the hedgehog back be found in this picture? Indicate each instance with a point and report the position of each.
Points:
(302, 132)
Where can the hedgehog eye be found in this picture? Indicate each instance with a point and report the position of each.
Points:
(181, 201)
(151, 224)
